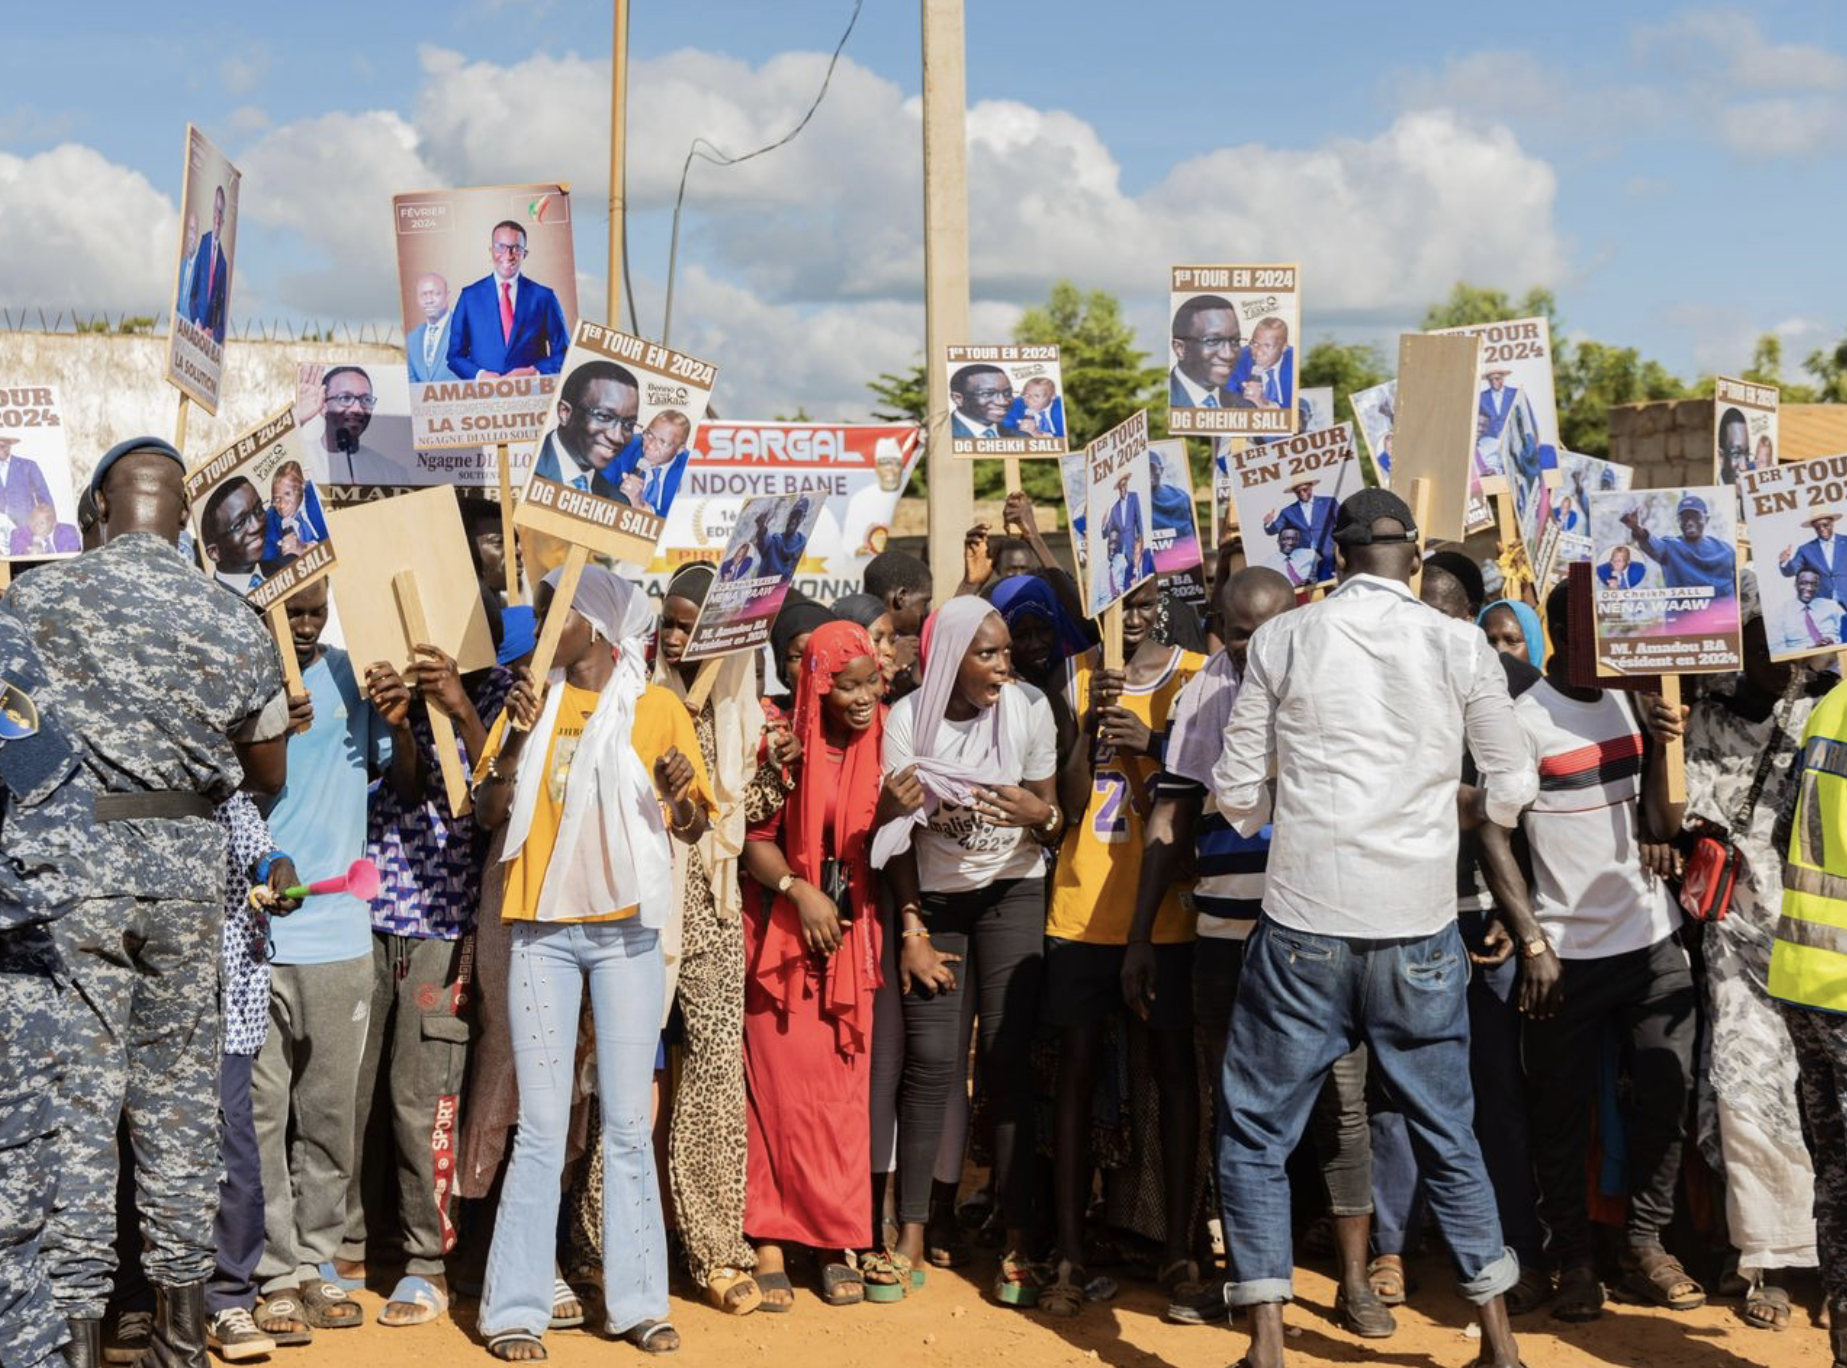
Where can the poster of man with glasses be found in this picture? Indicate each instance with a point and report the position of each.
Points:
(1006, 401)
(256, 513)
(1235, 334)
(624, 412)
(487, 289)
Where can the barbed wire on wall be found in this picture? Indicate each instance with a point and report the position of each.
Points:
(130, 324)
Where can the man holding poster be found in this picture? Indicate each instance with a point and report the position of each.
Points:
(1126, 536)
(1312, 517)
(1118, 534)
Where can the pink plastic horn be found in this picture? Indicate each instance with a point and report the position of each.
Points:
(361, 880)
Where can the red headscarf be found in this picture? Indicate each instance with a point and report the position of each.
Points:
(853, 975)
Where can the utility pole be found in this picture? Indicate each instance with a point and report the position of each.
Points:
(618, 138)
(945, 161)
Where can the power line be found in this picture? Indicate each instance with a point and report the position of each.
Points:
(720, 158)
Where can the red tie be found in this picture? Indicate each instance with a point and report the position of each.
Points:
(506, 311)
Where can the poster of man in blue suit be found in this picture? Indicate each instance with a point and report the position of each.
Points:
(202, 278)
(38, 504)
(488, 295)
(1517, 391)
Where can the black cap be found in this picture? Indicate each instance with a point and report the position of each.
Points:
(1464, 570)
(1353, 524)
(133, 444)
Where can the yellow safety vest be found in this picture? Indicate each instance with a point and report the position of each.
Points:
(1808, 964)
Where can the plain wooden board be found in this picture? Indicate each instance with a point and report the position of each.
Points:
(422, 533)
(1434, 437)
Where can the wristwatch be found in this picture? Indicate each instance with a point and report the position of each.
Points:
(1534, 948)
(785, 883)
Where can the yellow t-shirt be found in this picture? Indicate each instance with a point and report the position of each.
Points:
(1100, 861)
(661, 724)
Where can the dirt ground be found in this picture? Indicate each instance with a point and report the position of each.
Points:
(952, 1322)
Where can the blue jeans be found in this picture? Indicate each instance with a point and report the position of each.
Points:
(545, 984)
(1303, 1002)
(1500, 1120)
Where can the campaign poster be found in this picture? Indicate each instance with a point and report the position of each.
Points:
(1666, 590)
(1006, 401)
(1118, 518)
(856, 472)
(1792, 514)
(1516, 377)
(1564, 538)
(354, 425)
(1744, 433)
(754, 574)
(487, 286)
(1287, 494)
(1375, 414)
(38, 501)
(202, 283)
(1235, 332)
(616, 444)
(257, 515)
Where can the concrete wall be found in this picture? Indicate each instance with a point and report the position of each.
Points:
(114, 387)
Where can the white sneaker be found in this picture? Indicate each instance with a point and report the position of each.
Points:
(235, 1336)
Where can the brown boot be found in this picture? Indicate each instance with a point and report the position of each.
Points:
(179, 1328)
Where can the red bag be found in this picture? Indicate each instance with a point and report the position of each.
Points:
(1709, 878)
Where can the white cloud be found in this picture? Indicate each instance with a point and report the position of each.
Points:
(1731, 45)
(331, 179)
(95, 235)
(242, 72)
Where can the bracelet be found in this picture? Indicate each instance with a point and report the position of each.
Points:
(266, 862)
(923, 931)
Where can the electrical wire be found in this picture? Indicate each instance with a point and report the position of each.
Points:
(718, 157)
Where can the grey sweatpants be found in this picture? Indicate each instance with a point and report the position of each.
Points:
(407, 1114)
(317, 1033)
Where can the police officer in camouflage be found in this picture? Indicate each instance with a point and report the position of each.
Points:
(45, 816)
(172, 690)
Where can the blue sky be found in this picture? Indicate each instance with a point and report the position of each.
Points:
(1670, 170)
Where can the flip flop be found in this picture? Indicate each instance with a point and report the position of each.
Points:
(498, 1345)
(330, 1275)
(563, 1292)
(417, 1292)
(284, 1306)
(776, 1282)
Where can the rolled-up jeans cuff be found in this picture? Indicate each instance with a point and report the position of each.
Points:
(1493, 1280)
(1350, 1210)
(1259, 1291)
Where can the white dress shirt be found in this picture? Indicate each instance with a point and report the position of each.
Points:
(1203, 396)
(1361, 706)
(1796, 619)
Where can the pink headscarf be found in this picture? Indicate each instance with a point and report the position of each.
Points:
(946, 638)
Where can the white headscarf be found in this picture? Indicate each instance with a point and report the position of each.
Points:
(946, 639)
(612, 848)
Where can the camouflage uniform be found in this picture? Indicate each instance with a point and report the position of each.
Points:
(154, 669)
(44, 829)
(1821, 1057)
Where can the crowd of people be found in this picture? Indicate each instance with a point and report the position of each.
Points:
(933, 935)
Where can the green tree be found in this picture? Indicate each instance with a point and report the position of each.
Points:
(1468, 304)
(1589, 377)
(903, 396)
(1766, 368)
(1345, 367)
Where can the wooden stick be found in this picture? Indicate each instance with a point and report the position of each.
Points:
(1674, 754)
(702, 684)
(1013, 472)
(179, 424)
(6, 576)
(285, 644)
(574, 562)
(1112, 636)
(1509, 531)
(1420, 514)
(508, 538)
(442, 725)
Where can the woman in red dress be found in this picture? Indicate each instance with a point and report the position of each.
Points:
(813, 942)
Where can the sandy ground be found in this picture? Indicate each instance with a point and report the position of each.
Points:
(952, 1322)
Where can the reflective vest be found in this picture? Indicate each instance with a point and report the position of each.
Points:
(1808, 965)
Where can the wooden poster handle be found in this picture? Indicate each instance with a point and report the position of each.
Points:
(1112, 636)
(285, 644)
(510, 546)
(1420, 514)
(702, 684)
(179, 423)
(574, 562)
(1674, 754)
(1013, 473)
(442, 725)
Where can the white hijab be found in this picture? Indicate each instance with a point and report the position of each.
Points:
(612, 848)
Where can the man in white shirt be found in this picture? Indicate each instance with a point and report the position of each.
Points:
(1810, 621)
(1615, 927)
(1360, 706)
(342, 398)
